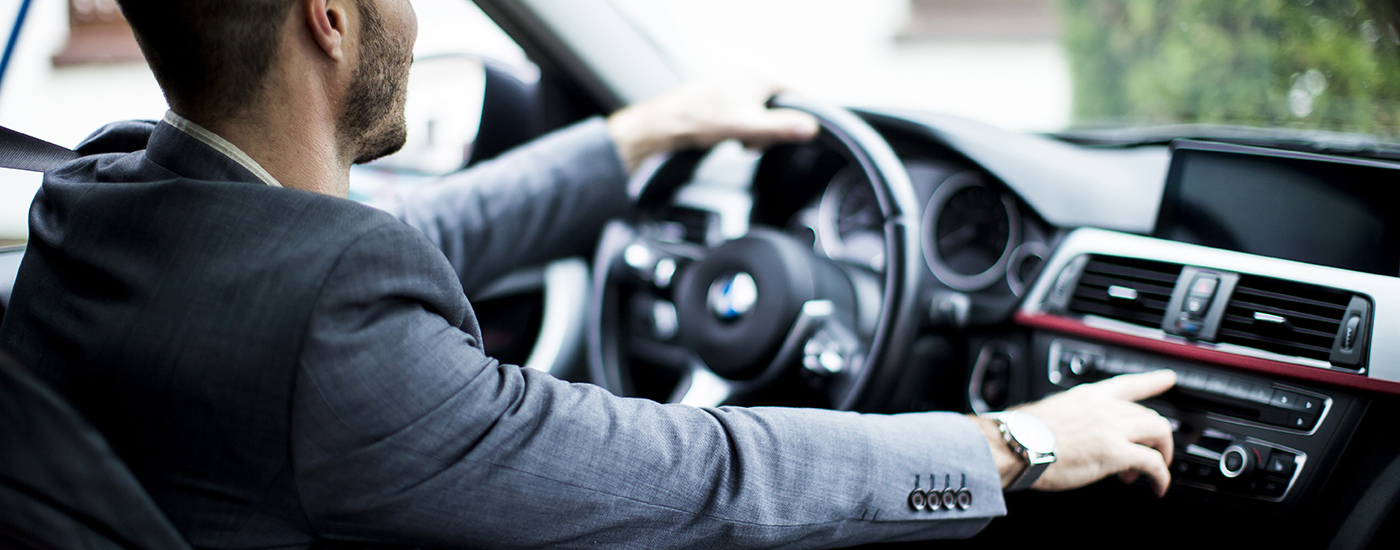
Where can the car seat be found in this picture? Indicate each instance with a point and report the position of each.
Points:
(61, 486)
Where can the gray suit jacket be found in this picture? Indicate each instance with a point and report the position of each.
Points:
(281, 368)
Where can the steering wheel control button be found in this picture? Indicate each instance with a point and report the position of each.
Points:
(664, 272)
(732, 296)
(664, 322)
(1235, 461)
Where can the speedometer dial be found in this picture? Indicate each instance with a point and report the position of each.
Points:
(850, 225)
(969, 232)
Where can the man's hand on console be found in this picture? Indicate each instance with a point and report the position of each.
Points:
(700, 115)
(1098, 430)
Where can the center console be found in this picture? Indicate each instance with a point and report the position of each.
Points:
(1237, 435)
(1276, 360)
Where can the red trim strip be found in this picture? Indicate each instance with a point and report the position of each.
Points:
(1195, 352)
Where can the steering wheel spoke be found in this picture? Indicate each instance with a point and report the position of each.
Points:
(701, 387)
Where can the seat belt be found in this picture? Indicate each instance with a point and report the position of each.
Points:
(25, 152)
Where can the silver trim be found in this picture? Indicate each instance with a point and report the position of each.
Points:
(701, 387)
(1013, 265)
(1300, 458)
(1384, 291)
(1244, 462)
(829, 210)
(957, 281)
(566, 292)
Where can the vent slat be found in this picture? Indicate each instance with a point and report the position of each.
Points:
(1238, 337)
(1340, 308)
(1129, 272)
(1237, 305)
(1245, 324)
(1101, 281)
(1314, 314)
(1152, 282)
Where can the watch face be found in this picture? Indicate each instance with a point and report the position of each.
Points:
(1031, 433)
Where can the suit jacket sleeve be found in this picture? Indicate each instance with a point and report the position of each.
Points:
(404, 431)
(537, 202)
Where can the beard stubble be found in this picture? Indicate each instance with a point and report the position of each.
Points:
(372, 124)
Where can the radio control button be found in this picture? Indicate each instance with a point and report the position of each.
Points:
(1238, 389)
(1192, 379)
(1260, 393)
(1281, 463)
(1301, 422)
(1287, 400)
(1217, 383)
(1273, 487)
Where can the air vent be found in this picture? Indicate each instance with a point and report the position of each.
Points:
(1284, 317)
(1127, 289)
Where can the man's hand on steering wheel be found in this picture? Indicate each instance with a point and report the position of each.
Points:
(700, 115)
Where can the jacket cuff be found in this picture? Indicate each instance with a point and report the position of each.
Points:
(934, 453)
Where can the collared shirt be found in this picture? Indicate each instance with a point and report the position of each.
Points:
(221, 145)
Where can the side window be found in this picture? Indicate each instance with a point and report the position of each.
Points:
(76, 67)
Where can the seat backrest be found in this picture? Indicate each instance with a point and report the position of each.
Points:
(61, 486)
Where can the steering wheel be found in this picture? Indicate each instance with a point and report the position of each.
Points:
(742, 319)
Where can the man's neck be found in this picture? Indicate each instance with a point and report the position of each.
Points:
(292, 141)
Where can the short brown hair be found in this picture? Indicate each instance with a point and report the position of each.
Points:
(209, 56)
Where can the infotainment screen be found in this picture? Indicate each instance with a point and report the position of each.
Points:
(1318, 209)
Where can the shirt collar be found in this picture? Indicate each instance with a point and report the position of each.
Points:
(221, 145)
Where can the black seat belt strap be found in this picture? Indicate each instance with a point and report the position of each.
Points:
(25, 152)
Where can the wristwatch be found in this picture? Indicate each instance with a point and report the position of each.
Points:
(1027, 436)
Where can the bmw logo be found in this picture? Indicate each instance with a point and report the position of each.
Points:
(732, 296)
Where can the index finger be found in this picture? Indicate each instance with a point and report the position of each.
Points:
(1136, 387)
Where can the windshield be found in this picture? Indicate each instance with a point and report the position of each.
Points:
(1053, 65)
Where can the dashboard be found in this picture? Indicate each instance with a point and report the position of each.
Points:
(1044, 273)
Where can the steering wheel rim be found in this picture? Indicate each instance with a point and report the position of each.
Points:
(882, 352)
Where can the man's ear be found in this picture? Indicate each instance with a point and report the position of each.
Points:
(327, 23)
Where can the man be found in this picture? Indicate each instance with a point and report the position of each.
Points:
(281, 367)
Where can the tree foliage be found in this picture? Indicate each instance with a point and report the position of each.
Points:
(1325, 64)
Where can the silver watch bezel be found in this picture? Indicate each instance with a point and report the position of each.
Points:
(1036, 461)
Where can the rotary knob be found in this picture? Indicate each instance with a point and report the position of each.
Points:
(1236, 461)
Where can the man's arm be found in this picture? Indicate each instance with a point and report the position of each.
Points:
(551, 197)
(405, 432)
(535, 203)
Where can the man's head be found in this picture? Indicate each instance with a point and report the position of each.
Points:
(216, 60)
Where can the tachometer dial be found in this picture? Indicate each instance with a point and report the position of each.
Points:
(850, 225)
(970, 230)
